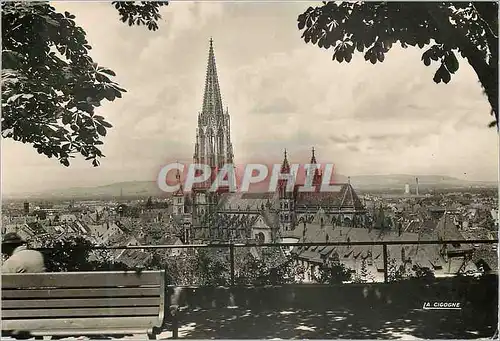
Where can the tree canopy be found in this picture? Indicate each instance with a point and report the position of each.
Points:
(50, 84)
(443, 29)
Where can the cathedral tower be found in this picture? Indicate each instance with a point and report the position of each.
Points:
(213, 145)
(178, 197)
(286, 212)
(317, 176)
(213, 140)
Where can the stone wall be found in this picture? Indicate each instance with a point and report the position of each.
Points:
(477, 297)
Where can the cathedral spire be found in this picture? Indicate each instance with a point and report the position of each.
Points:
(317, 174)
(313, 157)
(285, 166)
(212, 101)
(213, 135)
(180, 191)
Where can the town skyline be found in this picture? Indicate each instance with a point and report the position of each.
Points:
(281, 93)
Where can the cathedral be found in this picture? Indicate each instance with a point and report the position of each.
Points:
(264, 217)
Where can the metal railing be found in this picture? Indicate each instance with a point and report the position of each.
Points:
(233, 246)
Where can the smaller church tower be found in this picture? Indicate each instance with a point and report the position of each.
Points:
(317, 176)
(286, 211)
(179, 204)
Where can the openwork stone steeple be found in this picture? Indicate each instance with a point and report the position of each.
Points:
(213, 140)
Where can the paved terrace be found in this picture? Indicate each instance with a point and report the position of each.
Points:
(340, 323)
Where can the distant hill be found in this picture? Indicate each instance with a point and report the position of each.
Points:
(398, 181)
(132, 189)
(112, 191)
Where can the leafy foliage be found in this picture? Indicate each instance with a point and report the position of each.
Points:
(271, 268)
(74, 253)
(443, 28)
(363, 276)
(212, 267)
(50, 84)
(398, 272)
(146, 13)
(202, 267)
(334, 273)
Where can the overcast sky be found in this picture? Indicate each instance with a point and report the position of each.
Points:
(282, 93)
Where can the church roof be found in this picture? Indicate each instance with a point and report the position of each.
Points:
(423, 255)
(247, 201)
(343, 197)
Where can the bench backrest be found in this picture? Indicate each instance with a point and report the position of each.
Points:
(106, 300)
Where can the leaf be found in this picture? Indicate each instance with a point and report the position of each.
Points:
(301, 21)
(360, 46)
(348, 57)
(107, 71)
(101, 130)
(106, 124)
(118, 94)
(66, 119)
(446, 76)
(339, 56)
(101, 78)
(109, 93)
(380, 57)
(65, 162)
(426, 57)
(437, 76)
(451, 62)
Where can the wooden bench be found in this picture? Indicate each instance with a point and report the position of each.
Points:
(85, 304)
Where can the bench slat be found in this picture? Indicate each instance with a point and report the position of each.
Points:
(81, 332)
(79, 312)
(81, 302)
(81, 279)
(96, 292)
(69, 326)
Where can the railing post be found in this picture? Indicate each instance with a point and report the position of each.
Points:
(174, 309)
(386, 275)
(231, 259)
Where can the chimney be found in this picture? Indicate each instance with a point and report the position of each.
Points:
(416, 180)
